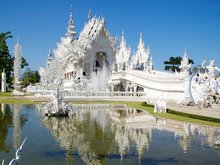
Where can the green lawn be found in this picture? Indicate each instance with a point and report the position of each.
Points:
(5, 94)
(6, 98)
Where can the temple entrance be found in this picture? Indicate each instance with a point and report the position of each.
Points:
(100, 62)
(100, 73)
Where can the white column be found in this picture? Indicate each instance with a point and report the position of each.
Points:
(3, 81)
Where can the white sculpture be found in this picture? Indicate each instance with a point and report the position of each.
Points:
(160, 106)
(17, 69)
(57, 106)
(4, 81)
(185, 65)
(212, 69)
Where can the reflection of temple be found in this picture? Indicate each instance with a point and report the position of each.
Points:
(74, 134)
(96, 134)
(10, 117)
(17, 126)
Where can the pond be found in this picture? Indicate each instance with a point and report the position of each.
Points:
(103, 134)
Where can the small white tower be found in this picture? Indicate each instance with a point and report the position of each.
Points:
(3, 81)
(71, 28)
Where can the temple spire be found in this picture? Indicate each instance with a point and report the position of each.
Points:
(90, 14)
(71, 28)
(17, 39)
(185, 54)
(141, 40)
(123, 39)
(49, 57)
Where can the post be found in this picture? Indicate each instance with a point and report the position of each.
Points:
(3, 81)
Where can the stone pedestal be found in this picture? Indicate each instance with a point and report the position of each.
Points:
(17, 90)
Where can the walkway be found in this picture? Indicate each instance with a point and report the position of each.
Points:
(210, 112)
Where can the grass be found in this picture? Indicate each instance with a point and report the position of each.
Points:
(7, 98)
(172, 114)
(5, 94)
(15, 100)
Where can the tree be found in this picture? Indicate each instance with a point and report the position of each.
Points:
(30, 77)
(174, 63)
(196, 69)
(6, 61)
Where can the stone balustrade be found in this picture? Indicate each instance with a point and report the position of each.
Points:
(96, 94)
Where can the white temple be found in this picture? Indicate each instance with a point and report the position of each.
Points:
(93, 52)
(96, 62)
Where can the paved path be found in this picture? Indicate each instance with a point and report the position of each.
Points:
(210, 112)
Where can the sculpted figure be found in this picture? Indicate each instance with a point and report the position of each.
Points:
(212, 69)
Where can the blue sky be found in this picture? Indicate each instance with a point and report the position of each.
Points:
(168, 26)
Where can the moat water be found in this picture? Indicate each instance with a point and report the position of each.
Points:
(104, 135)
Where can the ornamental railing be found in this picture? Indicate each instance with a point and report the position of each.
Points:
(72, 94)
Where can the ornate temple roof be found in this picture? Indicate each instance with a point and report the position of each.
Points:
(65, 45)
(91, 32)
(123, 54)
(70, 47)
(142, 55)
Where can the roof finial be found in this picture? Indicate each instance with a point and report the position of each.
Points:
(141, 40)
(90, 14)
(70, 28)
(185, 53)
(122, 37)
(17, 39)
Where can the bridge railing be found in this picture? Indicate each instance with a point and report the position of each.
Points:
(72, 94)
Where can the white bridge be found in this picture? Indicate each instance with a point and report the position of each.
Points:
(164, 85)
(132, 83)
(152, 86)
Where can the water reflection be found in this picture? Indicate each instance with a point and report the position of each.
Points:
(10, 118)
(75, 134)
(17, 126)
(6, 123)
(96, 132)
(104, 134)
